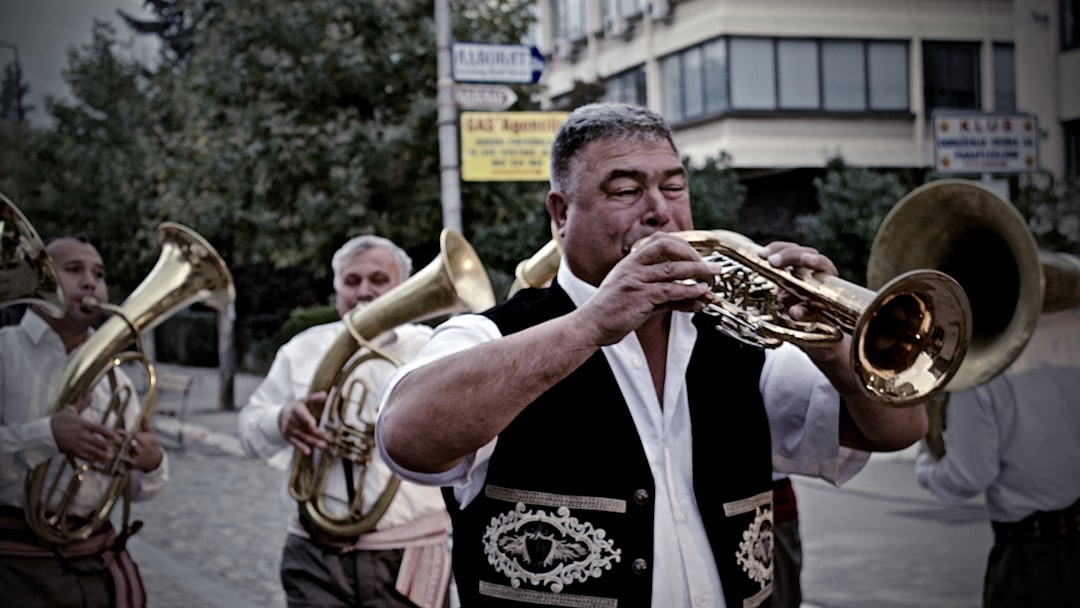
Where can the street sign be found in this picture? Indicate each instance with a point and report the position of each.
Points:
(507, 63)
(507, 146)
(484, 96)
(985, 142)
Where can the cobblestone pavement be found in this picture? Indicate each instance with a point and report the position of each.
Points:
(213, 537)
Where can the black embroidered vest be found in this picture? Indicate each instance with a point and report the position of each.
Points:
(566, 514)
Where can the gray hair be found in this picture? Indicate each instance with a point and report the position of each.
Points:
(597, 121)
(362, 243)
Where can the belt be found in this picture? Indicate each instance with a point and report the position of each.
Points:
(1040, 526)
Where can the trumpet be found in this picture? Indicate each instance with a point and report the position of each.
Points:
(188, 270)
(908, 338)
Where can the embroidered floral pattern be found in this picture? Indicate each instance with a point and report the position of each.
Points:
(549, 549)
(756, 549)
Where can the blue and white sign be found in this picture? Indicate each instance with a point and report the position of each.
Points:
(507, 63)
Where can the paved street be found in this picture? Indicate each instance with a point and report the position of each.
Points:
(213, 537)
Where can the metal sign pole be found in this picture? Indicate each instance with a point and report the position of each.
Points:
(447, 121)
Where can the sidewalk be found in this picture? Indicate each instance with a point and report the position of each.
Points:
(202, 419)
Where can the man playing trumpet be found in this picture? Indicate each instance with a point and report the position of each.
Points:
(599, 443)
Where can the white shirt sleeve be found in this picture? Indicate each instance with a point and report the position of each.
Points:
(454, 335)
(257, 422)
(805, 426)
(971, 460)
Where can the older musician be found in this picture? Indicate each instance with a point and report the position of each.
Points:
(97, 571)
(600, 443)
(404, 561)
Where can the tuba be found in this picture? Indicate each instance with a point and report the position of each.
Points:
(26, 272)
(188, 270)
(454, 282)
(908, 338)
(966, 230)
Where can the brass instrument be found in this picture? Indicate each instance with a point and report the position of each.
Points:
(27, 274)
(452, 283)
(541, 267)
(968, 231)
(188, 270)
(908, 338)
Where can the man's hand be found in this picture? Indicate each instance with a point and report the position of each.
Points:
(81, 438)
(663, 274)
(146, 452)
(299, 427)
(782, 254)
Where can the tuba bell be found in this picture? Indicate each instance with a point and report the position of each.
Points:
(541, 267)
(27, 275)
(188, 270)
(968, 231)
(454, 282)
(908, 338)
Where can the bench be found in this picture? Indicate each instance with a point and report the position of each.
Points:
(178, 384)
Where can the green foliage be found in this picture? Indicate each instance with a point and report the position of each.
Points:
(852, 204)
(303, 318)
(88, 174)
(715, 193)
(1053, 214)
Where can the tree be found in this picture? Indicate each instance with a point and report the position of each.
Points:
(1053, 213)
(715, 193)
(852, 203)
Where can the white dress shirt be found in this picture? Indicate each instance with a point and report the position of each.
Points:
(803, 411)
(32, 362)
(290, 378)
(1017, 437)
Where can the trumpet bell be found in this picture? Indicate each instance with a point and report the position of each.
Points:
(27, 275)
(541, 267)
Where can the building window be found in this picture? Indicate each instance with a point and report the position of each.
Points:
(1072, 150)
(753, 70)
(797, 67)
(887, 71)
(1004, 77)
(570, 19)
(797, 74)
(716, 75)
(1070, 24)
(951, 75)
(627, 87)
(843, 74)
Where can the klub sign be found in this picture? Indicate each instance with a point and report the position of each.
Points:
(985, 142)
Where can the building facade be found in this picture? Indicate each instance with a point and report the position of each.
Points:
(783, 85)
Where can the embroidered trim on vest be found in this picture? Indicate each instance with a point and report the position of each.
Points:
(738, 507)
(538, 597)
(755, 553)
(540, 548)
(592, 503)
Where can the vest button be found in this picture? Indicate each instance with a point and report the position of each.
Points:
(641, 496)
(640, 566)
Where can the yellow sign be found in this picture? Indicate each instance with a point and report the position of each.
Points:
(507, 146)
